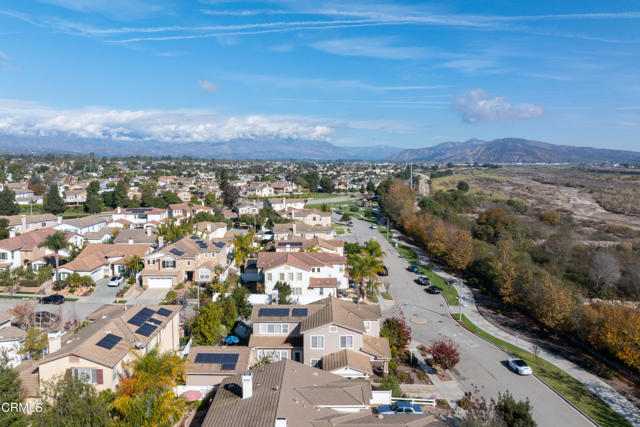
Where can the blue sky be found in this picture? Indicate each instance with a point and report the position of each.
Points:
(407, 74)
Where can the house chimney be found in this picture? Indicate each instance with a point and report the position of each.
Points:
(12, 232)
(280, 422)
(55, 340)
(160, 241)
(247, 384)
(148, 231)
(130, 240)
(23, 221)
(118, 209)
(59, 219)
(209, 228)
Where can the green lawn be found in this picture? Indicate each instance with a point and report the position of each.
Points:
(562, 382)
(339, 230)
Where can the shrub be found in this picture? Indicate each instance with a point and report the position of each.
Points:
(386, 295)
(551, 218)
(445, 353)
(422, 376)
(443, 403)
(402, 377)
(466, 402)
(397, 331)
(514, 413)
(170, 297)
(180, 286)
(390, 382)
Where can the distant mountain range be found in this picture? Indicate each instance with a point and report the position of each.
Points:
(507, 150)
(511, 150)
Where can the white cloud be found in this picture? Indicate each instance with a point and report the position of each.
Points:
(19, 118)
(208, 86)
(375, 47)
(476, 105)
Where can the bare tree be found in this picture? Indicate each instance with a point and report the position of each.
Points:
(23, 314)
(605, 270)
(535, 349)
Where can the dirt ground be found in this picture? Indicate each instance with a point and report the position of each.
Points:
(518, 324)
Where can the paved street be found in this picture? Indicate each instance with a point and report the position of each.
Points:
(482, 365)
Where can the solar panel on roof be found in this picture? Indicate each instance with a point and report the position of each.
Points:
(155, 321)
(228, 366)
(164, 312)
(219, 244)
(194, 237)
(299, 311)
(273, 312)
(176, 251)
(146, 312)
(146, 329)
(109, 341)
(138, 319)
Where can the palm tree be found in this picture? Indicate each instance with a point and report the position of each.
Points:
(133, 263)
(55, 242)
(243, 247)
(373, 248)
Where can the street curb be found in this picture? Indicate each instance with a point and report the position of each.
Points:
(534, 374)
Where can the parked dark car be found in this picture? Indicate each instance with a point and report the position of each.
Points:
(433, 290)
(52, 299)
(384, 272)
(424, 281)
(399, 408)
(350, 224)
(413, 269)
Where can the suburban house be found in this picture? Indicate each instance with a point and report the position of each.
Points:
(24, 196)
(300, 230)
(23, 250)
(19, 224)
(74, 197)
(83, 225)
(101, 350)
(333, 246)
(259, 191)
(102, 260)
(179, 211)
(140, 217)
(281, 203)
(11, 339)
(211, 230)
(246, 208)
(307, 216)
(187, 259)
(101, 236)
(128, 236)
(287, 393)
(311, 276)
(318, 334)
(209, 365)
(282, 187)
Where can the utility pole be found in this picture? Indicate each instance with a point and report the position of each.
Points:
(460, 297)
(411, 175)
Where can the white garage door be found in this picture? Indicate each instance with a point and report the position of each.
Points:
(160, 282)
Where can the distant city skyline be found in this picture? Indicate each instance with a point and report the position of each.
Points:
(405, 74)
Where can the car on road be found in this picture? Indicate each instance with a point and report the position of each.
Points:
(433, 289)
(339, 212)
(519, 366)
(401, 407)
(423, 280)
(414, 269)
(350, 223)
(52, 299)
(373, 227)
(384, 272)
(116, 281)
(44, 318)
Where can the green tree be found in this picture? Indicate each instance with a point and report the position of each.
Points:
(35, 342)
(312, 179)
(171, 198)
(93, 204)
(326, 185)
(371, 188)
(240, 297)
(243, 244)
(146, 199)
(346, 216)
(210, 199)
(514, 413)
(230, 193)
(55, 242)
(4, 228)
(133, 264)
(229, 311)
(205, 327)
(8, 204)
(120, 197)
(463, 186)
(284, 292)
(10, 385)
(53, 203)
(71, 401)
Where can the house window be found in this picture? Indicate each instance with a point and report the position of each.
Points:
(44, 224)
(168, 264)
(346, 341)
(315, 363)
(317, 341)
(4, 256)
(281, 276)
(275, 355)
(90, 376)
(299, 276)
(115, 375)
(333, 329)
(151, 261)
(274, 328)
(204, 275)
(188, 263)
(269, 277)
(290, 276)
(321, 291)
(367, 325)
(296, 291)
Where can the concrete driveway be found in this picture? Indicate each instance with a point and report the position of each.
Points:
(481, 364)
(149, 297)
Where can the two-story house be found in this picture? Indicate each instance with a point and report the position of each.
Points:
(281, 203)
(75, 197)
(102, 260)
(311, 276)
(140, 217)
(312, 217)
(11, 339)
(333, 246)
(300, 230)
(83, 225)
(24, 250)
(246, 208)
(337, 335)
(101, 351)
(188, 259)
(211, 230)
(20, 224)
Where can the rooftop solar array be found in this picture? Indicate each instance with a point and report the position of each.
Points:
(299, 311)
(154, 321)
(224, 358)
(263, 312)
(194, 237)
(287, 243)
(219, 244)
(228, 366)
(146, 329)
(140, 210)
(164, 312)
(176, 251)
(109, 341)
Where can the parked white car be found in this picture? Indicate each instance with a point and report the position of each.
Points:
(519, 366)
(116, 281)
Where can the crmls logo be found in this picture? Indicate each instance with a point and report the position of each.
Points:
(21, 407)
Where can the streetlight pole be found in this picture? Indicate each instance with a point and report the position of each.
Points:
(460, 298)
(387, 228)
